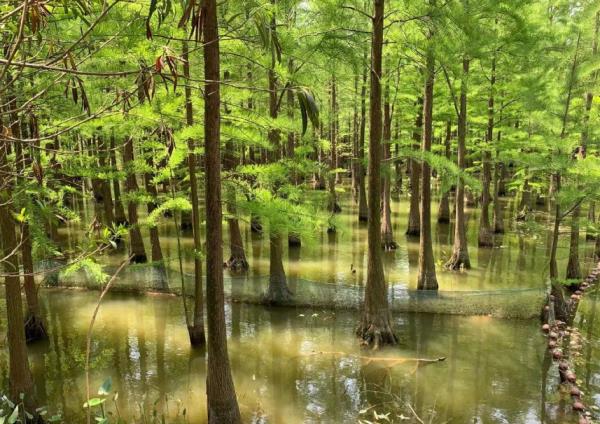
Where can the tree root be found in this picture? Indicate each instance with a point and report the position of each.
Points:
(458, 261)
(278, 294)
(34, 329)
(197, 336)
(486, 239)
(376, 336)
(237, 264)
(389, 245)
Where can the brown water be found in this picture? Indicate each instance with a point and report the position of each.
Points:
(298, 365)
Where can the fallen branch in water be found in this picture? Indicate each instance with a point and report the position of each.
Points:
(389, 361)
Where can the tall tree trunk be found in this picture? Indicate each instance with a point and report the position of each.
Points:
(363, 211)
(375, 328)
(460, 253)
(107, 201)
(387, 234)
(196, 328)
(19, 375)
(160, 278)
(485, 229)
(34, 324)
(237, 260)
(333, 207)
(498, 213)
(222, 402)
(561, 307)
(573, 268)
(135, 236)
(414, 214)
(355, 135)
(397, 162)
(119, 209)
(444, 209)
(293, 239)
(427, 279)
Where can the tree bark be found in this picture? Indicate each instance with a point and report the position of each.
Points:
(485, 238)
(363, 211)
(137, 249)
(375, 328)
(414, 214)
(427, 279)
(34, 324)
(278, 292)
(333, 207)
(444, 209)
(20, 380)
(387, 233)
(237, 260)
(196, 329)
(222, 402)
(573, 268)
(160, 278)
(107, 200)
(460, 254)
(120, 218)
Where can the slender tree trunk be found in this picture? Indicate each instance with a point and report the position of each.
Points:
(561, 307)
(397, 162)
(363, 211)
(485, 229)
(414, 214)
(460, 254)
(19, 375)
(498, 213)
(573, 268)
(355, 136)
(293, 239)
(160, 278)
(34, 324)
(222, 402)
(333, 207)
(107, 200)
(375, 328)
(237, 260)
(444, 209)
(427, 279)
(387, 234)
(136, 243)
(196, 329)
(119, 209)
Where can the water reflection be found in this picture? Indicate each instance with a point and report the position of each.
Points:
(518, 259)
(292, 365)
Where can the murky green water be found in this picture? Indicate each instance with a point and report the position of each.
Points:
(493, 369)
(298, 365)
(519, 259)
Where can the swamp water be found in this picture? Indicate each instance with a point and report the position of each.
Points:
(303, 365)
